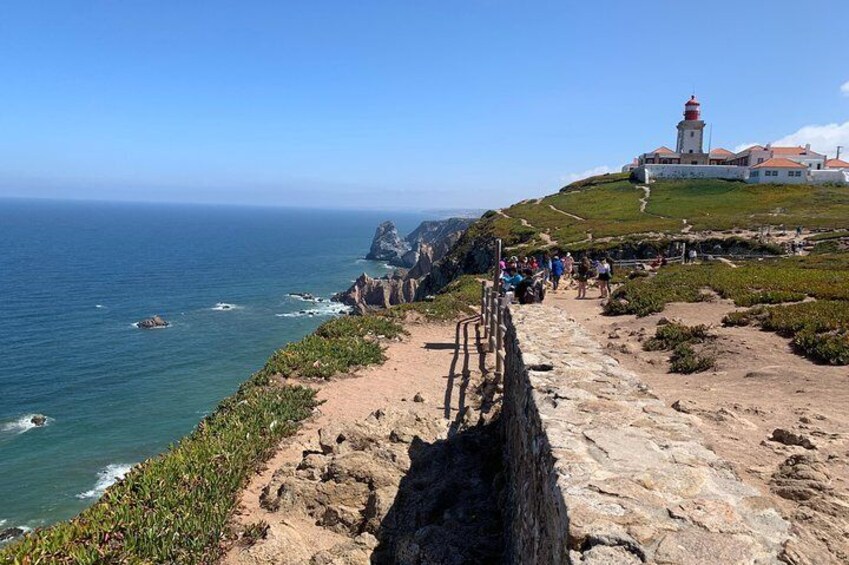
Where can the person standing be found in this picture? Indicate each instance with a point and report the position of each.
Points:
(691, 254)
(582, 276)
(568, 267)
(556, 273)
(604, 276)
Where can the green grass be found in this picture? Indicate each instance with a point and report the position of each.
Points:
(775, 288)
(672, 335)
(610, 206)
(174, 508)
(455, 300)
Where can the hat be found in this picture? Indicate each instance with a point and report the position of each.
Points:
(568, 254)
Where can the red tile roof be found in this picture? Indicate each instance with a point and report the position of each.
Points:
(720, 152)
(779, 163)
(791, 151)
(752, 148)
(836, 164)
(663, 150)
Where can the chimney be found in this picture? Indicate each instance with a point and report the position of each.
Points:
(808, 147)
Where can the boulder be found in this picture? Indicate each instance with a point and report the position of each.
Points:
(38, 420)
(368, 293)
(152, 323)
(10, 534)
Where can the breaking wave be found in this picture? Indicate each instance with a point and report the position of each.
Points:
(325, 309)
(225, 306)
(106, 477)
(23, 424)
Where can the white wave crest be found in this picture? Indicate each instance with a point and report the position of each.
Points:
(225, 306)
(99, 306)
(326, 309)
(106, 477)
(23, 424)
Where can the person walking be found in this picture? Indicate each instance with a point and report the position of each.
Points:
(692, 254)
(568, 267)
(556, 273)
(604, 276)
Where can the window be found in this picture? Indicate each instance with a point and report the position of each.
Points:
(760, 160)
(755, 174)
(692, 134)
(691, 150)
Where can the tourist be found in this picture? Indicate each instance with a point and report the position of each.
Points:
(556, 273)
(604, 276)
(524, 289)
(568, 266)
(582, 276)
(691, 255)
(510, 279)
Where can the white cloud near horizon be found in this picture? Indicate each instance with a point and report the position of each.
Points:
(595, 171)
(844, 88)
(823, 138)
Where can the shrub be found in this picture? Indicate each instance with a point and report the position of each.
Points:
(672, 335)
(743, 318)
(769, 297)
(686, 360)
(827, 347)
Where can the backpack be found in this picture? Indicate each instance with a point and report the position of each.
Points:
(534, 293)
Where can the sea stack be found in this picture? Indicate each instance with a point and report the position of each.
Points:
(152, 323)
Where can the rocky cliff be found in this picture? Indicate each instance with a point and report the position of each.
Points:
(438, 235)
(419, 252)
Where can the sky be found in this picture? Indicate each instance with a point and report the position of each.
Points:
(395, 104)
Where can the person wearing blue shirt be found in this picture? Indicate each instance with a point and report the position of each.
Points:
(556, 272)
(510, 279)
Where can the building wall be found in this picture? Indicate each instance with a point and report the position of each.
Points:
(835, 176)
(777, 176)
(649, 173)
(690, 137)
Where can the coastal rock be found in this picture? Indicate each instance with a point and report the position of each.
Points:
(152, 322)
(38, 420)
(368, 293)
(387, 244)
(10, 534)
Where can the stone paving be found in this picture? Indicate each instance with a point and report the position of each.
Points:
(602, 472)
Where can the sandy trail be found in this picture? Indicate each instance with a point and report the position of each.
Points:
(759, 385)
(437, 361)
(565, 213)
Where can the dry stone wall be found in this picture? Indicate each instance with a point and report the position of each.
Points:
(601, 472)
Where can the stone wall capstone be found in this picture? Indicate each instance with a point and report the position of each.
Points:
(601, 472)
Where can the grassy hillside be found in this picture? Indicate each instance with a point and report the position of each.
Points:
(595, 210)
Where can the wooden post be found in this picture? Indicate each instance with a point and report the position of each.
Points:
(485, 310)
(496, 279)
(493, 329)
(483, 303)
(499, 307)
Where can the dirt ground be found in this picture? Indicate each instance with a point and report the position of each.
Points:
(433, 375)
(758, 386)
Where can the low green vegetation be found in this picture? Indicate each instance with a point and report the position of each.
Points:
(670, 336)
(604, 212)
(774, 290)
(457, 299)
(680, 339)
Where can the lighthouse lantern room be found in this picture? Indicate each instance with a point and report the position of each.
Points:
(691, 132)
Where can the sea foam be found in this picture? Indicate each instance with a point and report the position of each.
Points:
(325, 309)
(106, 477)
(22, 424)
(225, 306)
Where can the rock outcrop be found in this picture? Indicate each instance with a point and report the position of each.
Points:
(152, 323)
(387, 244)
(438, 236)
(368, 293)
(10, 534)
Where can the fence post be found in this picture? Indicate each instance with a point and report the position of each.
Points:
(485, 311)
(499, 308)
(493, 329)
(483, 303)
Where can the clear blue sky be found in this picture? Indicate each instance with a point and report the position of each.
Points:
(394, 104)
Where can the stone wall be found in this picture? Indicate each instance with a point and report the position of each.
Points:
(649, 173)
(600, 471)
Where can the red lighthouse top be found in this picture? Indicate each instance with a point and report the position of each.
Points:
(691, 109)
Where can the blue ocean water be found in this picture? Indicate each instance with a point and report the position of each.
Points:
(74, 277)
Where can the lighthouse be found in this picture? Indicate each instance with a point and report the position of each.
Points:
(691, 132)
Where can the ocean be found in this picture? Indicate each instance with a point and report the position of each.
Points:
(76, 276)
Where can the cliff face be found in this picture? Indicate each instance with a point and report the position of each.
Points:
(387, 244)
(368, 293)
(423, 248)
(438, 235)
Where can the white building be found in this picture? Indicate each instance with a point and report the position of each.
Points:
(757, 154)
(778, 170)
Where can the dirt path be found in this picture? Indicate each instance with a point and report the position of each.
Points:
(644, 201)
(759, 386)
(565, 213)
(429, 388)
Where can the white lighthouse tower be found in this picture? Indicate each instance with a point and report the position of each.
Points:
(691, 134)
